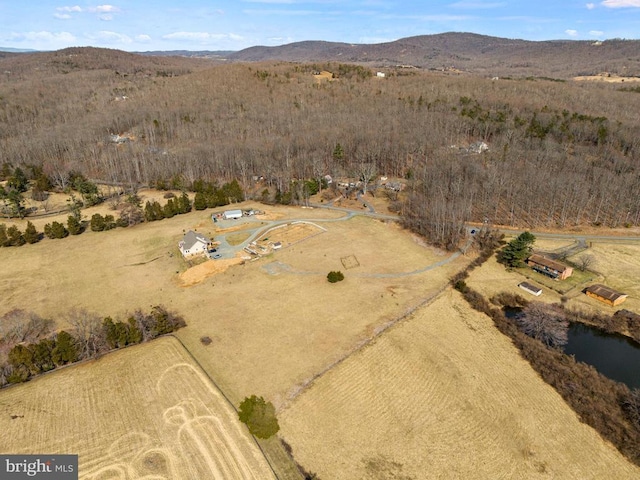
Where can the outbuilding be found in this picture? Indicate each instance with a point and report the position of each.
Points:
(232, 214)
(532, 289)
(605, 294)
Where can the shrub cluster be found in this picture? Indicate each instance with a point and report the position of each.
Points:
(335, 276)
(29, 347)
(259, 416)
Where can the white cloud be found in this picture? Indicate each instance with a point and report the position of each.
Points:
(590, 6)
(106, 18)
(285, 12)
(373, 40)
(571, 33)
(143, 38)
(105, 9)
(596, 33)
(215, 40)
(42, 39)
(621, 3)
(477, 5)
(62, 16)
(112, 37)
(280, 40)
(75, 8)
(201, 36)
(288, 2)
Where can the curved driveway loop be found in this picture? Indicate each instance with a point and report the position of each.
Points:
(225, 250)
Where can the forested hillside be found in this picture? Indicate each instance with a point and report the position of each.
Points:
(560, 153)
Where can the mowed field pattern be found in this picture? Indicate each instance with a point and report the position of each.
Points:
(143, 412)
(443, 395)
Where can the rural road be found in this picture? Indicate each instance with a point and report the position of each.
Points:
(225, 250)
(507, 231)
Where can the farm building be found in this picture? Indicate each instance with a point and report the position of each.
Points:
(232, 214)
(549, 267)
(193, 244)
(532, 289)
(605, 294)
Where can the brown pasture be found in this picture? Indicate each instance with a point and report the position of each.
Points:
(443, 395)
(275, 322)
(278, 327)
(143, 412)
(619, 267)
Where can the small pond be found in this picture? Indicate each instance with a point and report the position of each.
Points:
(613, 355)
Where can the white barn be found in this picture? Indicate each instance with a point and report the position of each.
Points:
(193, 244)
(532, 289)
(232, 214)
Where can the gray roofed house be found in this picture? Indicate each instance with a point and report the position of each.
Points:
(193, 243)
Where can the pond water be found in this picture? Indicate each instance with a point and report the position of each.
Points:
(613, 355)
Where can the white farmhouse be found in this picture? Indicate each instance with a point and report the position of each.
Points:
(193, 244)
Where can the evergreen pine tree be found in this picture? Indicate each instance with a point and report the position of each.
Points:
(31, 235)
(200, 201)
(55, 230)
(4, 239)
(16, 239)
(65, 350)
(74, 225)
(517, 250)
(97, 223)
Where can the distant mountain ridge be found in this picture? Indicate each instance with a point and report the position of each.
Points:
(460, 52)
(468, 52)
(16, 50)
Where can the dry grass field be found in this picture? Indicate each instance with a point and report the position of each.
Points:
(278, 327)
(619, 267)
(275, 322)
(143, 412)
(434, 398)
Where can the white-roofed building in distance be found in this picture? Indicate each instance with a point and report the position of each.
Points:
(232, 214)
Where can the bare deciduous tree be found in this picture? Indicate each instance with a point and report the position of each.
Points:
(585, 261)
(631, 405)
(86, 328)
(544, 322)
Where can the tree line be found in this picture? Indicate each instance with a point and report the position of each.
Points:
(29, 344)
(560, 153)
(207, 195)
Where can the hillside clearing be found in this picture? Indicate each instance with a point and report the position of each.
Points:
(275, 322)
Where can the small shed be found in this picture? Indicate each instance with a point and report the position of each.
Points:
(549, 267)
(532, 289)
(232, 214)
(605, 294)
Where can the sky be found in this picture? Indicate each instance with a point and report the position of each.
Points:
(144, 25)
